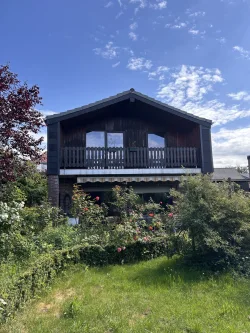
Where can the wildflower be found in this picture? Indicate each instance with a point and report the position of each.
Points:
(86, 209)
(160, 202)
(119, 249)
(97, 198)
(124, 248)
(151, 214)
(150, 228)
(170, 215)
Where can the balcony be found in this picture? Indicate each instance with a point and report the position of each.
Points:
(129, 158)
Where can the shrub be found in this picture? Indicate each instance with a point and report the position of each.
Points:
(214, 217)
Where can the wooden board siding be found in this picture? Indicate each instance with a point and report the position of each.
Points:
(53, 131)
(206, 150)
(135, 131)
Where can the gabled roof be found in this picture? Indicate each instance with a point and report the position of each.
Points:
(129, 94)
(221, 174)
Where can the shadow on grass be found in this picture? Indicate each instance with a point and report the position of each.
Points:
(168, 272)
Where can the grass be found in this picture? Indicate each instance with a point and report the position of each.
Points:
(155, 296)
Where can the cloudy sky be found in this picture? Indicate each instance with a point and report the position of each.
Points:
(192, 54)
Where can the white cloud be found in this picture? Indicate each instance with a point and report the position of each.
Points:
(116, 64)
(109, 4)
(133, 36)
(135, 64)
(141, 3)
(180, 25)
(108, 52)
(120, 3)
(194, 32)
(240, 96)
(158, 74)
(243, 53)
(46, 113)
(221, 40)
(133, 26)
(159, 4)
(119, 14)
(229, 148)
(196, 14)
(188, 89)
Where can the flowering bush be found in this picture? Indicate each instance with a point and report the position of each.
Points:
(89, 212)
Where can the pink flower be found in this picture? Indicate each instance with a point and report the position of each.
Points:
(170, 215)
(151, 214)
(124, 248)
(160, 202)
(97, 198)
(119, 249)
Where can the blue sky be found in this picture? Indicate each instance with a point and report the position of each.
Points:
(192, 54)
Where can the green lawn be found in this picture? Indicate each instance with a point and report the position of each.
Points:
(155, 296)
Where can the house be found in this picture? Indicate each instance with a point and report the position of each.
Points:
(129, 138)
(222, 174)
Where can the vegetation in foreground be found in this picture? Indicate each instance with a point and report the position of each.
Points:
(160, 295)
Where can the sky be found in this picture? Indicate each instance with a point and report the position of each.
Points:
(191, 54)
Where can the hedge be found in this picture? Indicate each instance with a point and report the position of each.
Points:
(43, 271)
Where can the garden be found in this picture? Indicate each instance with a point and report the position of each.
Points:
(128, 265)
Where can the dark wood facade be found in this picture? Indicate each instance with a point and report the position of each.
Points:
(187, 139)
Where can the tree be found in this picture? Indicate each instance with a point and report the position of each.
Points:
(19, 122)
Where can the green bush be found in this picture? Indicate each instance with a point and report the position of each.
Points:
(16, 291)
(214, 217)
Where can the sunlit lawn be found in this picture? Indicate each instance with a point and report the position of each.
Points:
(156, 296)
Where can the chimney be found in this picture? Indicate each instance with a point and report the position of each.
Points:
(248, 158)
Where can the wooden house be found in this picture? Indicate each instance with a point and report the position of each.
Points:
(129, 138)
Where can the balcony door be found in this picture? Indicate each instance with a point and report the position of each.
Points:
(104, 150)
(156, 151)
(115, 151)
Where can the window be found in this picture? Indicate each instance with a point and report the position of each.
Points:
(115, 140)
(156, 141)
(95, 139)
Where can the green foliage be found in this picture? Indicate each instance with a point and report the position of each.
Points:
(30, 187)
(17, 291)
(214, 217)
(125, 201)
(34, 185)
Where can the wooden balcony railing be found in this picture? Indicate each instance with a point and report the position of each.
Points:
(121, 158)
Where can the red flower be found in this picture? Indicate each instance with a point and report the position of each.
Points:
(86, 209)
(151, 214)
(150, 228)
(170, 215)
(119, 249)
(97, 198)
